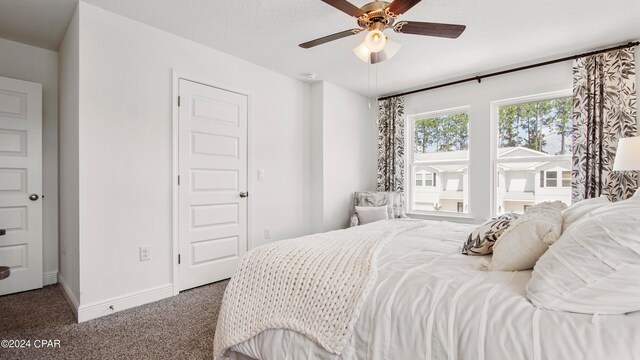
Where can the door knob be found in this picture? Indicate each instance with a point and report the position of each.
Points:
(244, 194)
(34, 197)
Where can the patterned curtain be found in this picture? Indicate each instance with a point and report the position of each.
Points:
(604, 110)
(391, 144)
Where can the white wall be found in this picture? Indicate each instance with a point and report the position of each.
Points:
(25, 62)
(343, 153)
(316, 157)
(68, 165)
(126, 149)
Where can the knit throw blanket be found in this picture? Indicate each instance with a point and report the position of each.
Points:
(314, 285)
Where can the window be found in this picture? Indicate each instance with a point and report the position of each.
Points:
(425, 179)
(566, 179)
(551, 179)
(533, 152)
(429, 179)
(439, 161)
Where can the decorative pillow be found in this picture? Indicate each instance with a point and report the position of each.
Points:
(527, 238)
(482, 238)
(594, 268)
(574, 212)
(369, 214)
(374, 199)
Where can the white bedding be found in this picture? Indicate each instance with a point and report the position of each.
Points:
(430, 302)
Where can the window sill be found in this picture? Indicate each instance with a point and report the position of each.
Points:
(454, 217)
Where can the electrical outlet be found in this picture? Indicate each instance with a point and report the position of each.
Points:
(267, 233)
(145, 253)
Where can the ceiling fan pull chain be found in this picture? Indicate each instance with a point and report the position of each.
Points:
(369, 83)
(376, 89)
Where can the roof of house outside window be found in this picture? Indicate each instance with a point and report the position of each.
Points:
(461, 155)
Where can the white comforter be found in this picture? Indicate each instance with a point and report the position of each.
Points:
(430, 302)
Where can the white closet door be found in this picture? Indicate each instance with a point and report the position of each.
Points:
(213, 183)
(21, 184)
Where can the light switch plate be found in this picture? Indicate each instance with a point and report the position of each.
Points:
(261, 175)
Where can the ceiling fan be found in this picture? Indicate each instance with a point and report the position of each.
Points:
(376, 17)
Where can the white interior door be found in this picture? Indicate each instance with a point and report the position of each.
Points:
(212, 164)
(20, 179)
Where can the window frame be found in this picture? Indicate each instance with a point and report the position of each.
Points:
(431, 178)
(424, 176)
(562, 179)
(495, 106)
(410, 185)
(547, 178)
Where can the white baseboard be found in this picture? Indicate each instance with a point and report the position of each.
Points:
(119, 303)
(49, 278)
(68, 294)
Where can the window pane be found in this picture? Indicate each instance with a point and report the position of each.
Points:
(428, 179)
(440, 145)
(552, 179)
(534, 146)
(418, 179)
(566, 179)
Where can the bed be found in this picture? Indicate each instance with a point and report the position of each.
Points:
(431, 302)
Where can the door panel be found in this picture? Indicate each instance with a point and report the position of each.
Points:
(212, 162)
(20, 176)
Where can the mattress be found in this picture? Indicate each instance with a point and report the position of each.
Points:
(431, 302)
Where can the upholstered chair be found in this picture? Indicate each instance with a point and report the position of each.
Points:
(394, 201)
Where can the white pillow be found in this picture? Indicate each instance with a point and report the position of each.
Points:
(594, 268)
(528, 237)
(574, 212)
(369, 214)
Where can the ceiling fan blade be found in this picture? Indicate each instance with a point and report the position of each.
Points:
(346, 7)
(326, 39)
(399, 7)
(429, 29)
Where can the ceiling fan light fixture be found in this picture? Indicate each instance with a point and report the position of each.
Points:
(363, 53)
(392, 48)
(375, 40)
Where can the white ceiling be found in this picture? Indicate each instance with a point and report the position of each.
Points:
(500, 33)
(40, 23)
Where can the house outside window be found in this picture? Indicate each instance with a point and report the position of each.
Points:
(551, 179)
(566, 179)
(533, 152)
(440, 158)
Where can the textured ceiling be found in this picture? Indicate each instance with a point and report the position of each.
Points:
(499, 33)
(40, 23)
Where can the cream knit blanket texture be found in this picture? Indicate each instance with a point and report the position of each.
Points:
(314, 285)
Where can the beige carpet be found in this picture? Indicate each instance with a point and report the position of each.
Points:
(180, 327)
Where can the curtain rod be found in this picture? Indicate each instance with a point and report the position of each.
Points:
(526, 67)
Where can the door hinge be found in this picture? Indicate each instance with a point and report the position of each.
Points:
(178, 101)
(178, 180)
(178, 259)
